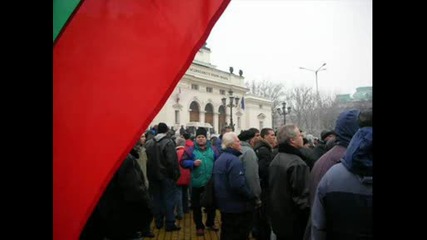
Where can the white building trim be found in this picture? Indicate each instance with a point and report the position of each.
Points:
(218, 82)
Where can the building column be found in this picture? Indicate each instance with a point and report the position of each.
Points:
(215, 122)
(202, 116)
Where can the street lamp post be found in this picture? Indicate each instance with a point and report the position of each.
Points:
(283, 111)
(231, 105)
(315, 72)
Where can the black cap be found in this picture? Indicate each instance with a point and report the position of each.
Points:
(162, 128)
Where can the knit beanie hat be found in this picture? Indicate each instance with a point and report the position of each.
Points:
(201, 131)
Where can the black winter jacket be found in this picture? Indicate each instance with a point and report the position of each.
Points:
(264, 153)
(162, 160)
(288, 205)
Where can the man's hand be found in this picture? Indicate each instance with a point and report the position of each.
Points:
(197, 162)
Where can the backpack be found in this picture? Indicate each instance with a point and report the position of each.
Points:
(155, 168)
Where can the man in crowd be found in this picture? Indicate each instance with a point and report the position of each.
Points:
(288, 186)
(345, 127)
(234, 198)
(264, 151)
(200, 160)
(163, 172)
(342, 207)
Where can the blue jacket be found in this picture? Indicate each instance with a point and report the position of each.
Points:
(199, 175)
(342, 207)
(232, 193)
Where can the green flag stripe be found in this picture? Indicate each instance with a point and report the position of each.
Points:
(62, 9)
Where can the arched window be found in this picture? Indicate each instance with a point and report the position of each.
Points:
(195, 111)
(209, 114)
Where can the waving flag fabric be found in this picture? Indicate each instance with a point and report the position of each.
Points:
(115, 63)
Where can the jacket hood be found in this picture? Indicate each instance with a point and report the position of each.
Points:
(346, 126)
(159, 136)
(358, 156)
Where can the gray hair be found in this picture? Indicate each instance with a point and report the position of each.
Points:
(228, 139)
(180, 141)
(287, 132)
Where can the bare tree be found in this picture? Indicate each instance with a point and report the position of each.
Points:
(332, 107)
(310, 112)
(271, 90)
(303, 102)
(329, 112)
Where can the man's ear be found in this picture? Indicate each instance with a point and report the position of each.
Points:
(292, 141)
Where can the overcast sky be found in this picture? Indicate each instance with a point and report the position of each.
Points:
(271, 40)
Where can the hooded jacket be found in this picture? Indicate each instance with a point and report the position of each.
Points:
(345, 127)
(342, 206)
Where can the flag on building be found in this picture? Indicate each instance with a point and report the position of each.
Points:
(115, 63)
(242, 103)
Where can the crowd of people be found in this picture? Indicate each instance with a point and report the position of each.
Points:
(266, 184)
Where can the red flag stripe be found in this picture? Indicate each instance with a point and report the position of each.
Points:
(115, 65)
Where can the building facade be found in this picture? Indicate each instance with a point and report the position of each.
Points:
(361, 99)
(198, 100)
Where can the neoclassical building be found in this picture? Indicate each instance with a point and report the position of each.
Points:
(361, 99)
(198, 100)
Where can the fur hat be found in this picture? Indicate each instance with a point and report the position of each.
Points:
(162, 128)
(201, 131)
(326, 133)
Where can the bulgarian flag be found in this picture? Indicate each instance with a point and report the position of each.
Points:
(115, 63)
